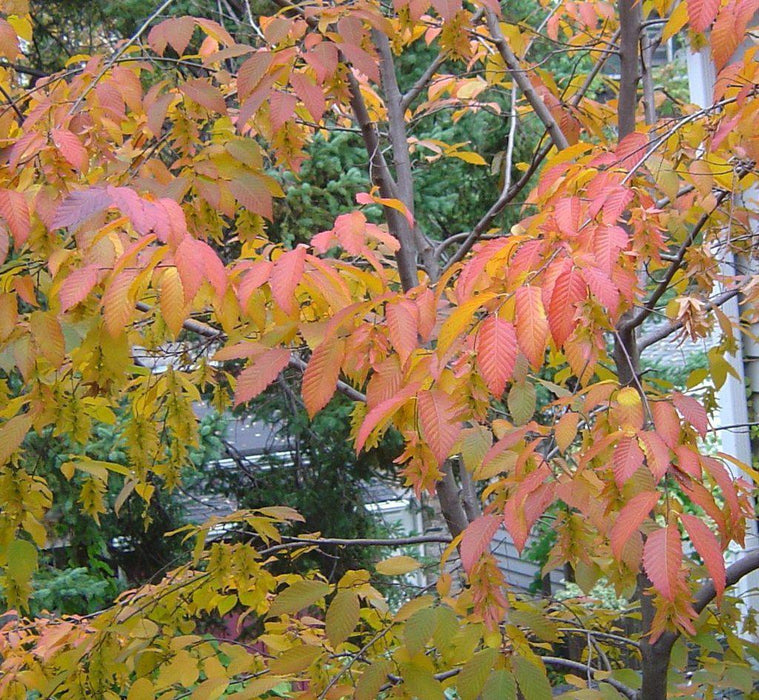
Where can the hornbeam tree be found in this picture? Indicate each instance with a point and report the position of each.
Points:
(136, 190)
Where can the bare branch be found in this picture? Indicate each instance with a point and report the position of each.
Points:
(585, 669)
(295, 542)
(519, 76)
(414, 91)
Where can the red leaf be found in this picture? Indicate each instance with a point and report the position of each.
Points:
(320, 376)
(382, 412)
(190, 265)
(15, 211)
(629, 519)
(631, 150)
(205, 94)
(562, 310)
(692, 411)
(253, 194)
(255, 276)
(662, 557)
(688, 461)
(350, 230)
(567, 215)
(657, 453)
(476, 539)
(602, 288)
(281, 109)
(701, 14)
(310, 93)
(251, 73)
(77, 286)
(175, 32)
(627, 459)
(607, 242)
(262, 372)
(496, 347)
(402, 327)
(439, 427)
(531, 324)
(71, 148)
(667, 422)
(708, 547)
(285, 276)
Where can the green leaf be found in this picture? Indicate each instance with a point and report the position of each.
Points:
(298, 596)
(532, 679)
(295, 659)
(500, 686)
(22, 561)
(342, 616)
(372, 679)
(475, 673)
(419, 628)
(521, 402)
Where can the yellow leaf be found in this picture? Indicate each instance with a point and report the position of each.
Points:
(397, 566)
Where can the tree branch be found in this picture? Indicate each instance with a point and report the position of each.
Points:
(414, 91)
(519, 76)
(206, 331)
(674, 326)
(295, 542)
(584, 669)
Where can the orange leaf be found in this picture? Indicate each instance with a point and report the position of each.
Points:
(205, 94)
(657, 453)
(531, 324)
(439, 427)
(77, 286)
(402, 327)
(382, 412)
(15, 211)
(118, 302)
(662, 558)
(626, 460)
(261, 372)
(692, 411)
(629, 519)
(701, 14)
(666, 422)
(320, 376)
(71, 148)
(562, 310)
(707, 545)
(476, 539)
(172, 300)
(496, 353)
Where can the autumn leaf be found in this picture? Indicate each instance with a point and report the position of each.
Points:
(437, 418)
(496, 353)
(531, 324)
(476, 539)
(662, 560)
(320, 376)
(260, 373)
(629, 519)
